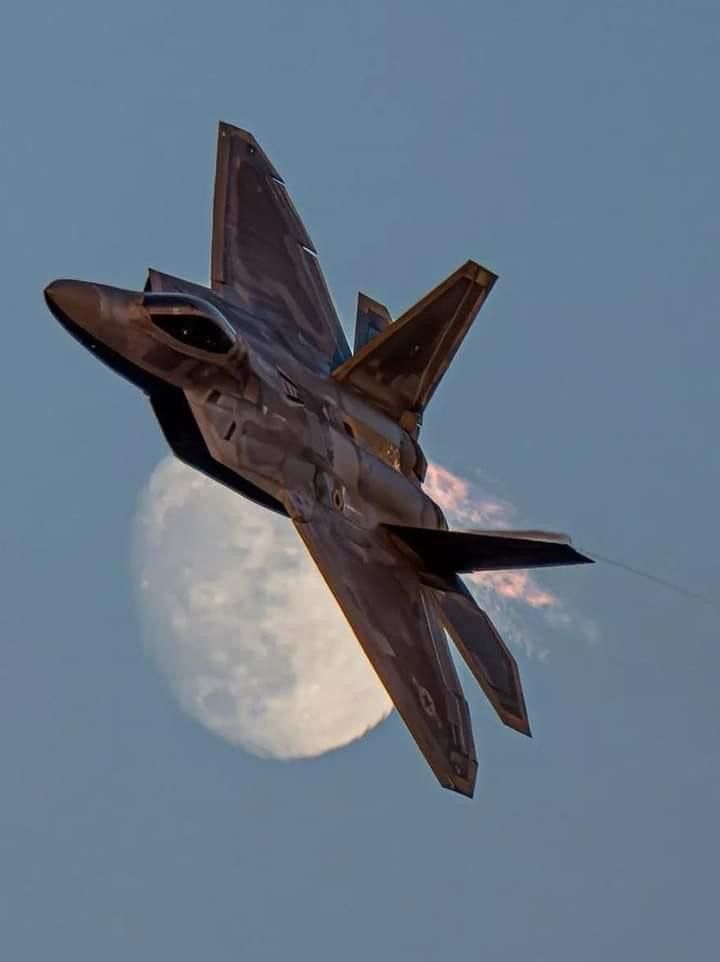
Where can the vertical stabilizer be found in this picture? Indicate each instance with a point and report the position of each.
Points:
(372, 318)
(400, 368)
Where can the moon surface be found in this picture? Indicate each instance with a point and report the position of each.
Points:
(243, 626)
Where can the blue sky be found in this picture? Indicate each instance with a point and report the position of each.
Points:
(574, 149)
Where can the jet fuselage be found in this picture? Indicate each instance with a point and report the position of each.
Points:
(266, 410)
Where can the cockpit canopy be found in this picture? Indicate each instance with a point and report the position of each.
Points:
(191, 321)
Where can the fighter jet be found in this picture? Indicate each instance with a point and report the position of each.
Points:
(254, 384)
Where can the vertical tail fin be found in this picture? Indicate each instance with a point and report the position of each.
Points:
(401, 367)
(372, 318)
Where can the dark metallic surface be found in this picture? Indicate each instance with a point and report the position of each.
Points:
(446, 552)
(262, 255)
(484, 651)
(401, 367)
(371, 319)
(252, 383)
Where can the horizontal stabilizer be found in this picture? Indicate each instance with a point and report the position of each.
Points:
(372, 318)
(484, 652)
(400, 368)
(447, 552)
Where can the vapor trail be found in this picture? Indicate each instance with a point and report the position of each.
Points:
(656, 579)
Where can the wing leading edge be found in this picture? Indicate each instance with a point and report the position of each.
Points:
(397, 626)
(262, 255)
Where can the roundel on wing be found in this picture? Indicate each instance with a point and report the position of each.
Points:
(425, 699)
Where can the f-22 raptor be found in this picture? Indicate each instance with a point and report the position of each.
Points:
(254, 384)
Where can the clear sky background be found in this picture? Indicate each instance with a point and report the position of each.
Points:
(573, 147)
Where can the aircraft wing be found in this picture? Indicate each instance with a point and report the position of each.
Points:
(262, 256)
(382, 600)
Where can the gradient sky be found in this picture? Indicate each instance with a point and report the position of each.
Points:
(573, 147)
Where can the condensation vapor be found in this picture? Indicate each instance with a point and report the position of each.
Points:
(504, 594)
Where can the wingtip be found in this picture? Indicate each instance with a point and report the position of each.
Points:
(480, 273)
(227, 128)
(465, 791)
(230, 130)
(519, 725)
(462, 786)
(227, 131)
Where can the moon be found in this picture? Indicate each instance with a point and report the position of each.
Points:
(242, 625)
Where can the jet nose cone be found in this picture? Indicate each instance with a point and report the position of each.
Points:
(76, 302)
